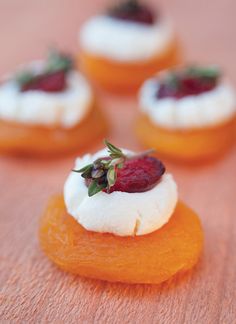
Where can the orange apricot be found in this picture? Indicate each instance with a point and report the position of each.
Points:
(150, 258)
(186, 145)
(33, 140)
(122, 77)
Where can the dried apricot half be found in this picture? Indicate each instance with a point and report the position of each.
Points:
(17, 138)
(187, 145)
(120, 77)
(151, 258)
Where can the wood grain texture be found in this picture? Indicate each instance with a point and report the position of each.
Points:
(32, 290)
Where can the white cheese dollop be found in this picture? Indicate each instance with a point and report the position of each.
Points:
(65, 109)
(120, 213)
(206, 109)
(124, 40)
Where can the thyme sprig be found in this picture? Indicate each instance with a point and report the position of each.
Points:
(102, 173)
(211, 71)
(57, 61)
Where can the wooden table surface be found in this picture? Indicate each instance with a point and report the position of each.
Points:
(32, 290)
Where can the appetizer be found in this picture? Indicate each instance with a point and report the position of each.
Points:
(48, 108)
(121, 220)
(126, 45)
(187, 114)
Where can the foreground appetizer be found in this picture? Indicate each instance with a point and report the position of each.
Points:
(121, 220)
(48, 108)
(126, 45)
(187, 114)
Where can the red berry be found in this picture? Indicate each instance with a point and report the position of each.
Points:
(138, 175)
(132, 10)
(186, 86)
(50, 82)
(195, 86)
(143, 16)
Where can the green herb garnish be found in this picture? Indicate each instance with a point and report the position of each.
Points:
(102, 173)
(211, 72)
(57, 61)
(24, 77)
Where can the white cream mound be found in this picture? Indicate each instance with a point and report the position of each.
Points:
(120, 213)
(206, 109)
(125, 41)
(34, 107)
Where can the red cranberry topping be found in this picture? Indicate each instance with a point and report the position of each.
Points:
(49, 82)
(138, 175)
(122, 172)
(132, 10)
(192, 81)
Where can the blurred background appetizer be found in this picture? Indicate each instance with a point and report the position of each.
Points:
(187, 114)
(121, 220)
(48, 108)
(127, 44)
